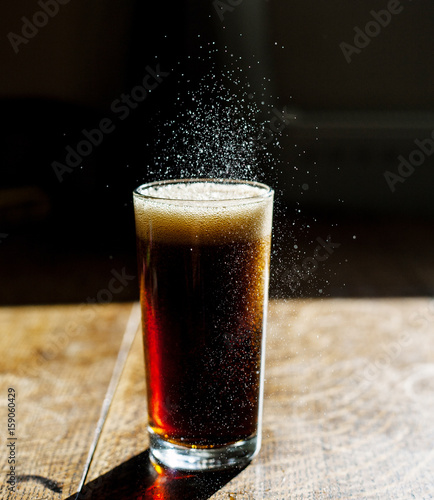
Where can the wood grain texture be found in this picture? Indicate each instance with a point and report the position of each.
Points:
(121, 468)
(347, 414)
(124, 434)
(59, 360)
(348, 403)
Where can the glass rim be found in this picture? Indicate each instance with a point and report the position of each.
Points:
(266, 191)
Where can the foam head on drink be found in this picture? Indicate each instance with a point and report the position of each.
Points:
(203, 211)
(203, 252)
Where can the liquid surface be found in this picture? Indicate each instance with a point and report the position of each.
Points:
(203, 321)
(203, 191)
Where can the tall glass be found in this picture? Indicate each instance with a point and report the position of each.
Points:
(203, 255)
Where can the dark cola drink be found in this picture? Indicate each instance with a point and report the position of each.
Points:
(203, 253)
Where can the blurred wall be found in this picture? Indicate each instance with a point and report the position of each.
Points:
(354, 119)
(79, 54)
(393, 72)
(359, 77)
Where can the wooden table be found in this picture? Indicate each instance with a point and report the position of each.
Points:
(348, 410)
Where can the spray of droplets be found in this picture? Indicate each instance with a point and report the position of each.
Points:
(217, 130)
(220, 128)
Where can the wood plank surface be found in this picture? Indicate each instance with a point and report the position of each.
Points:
(347, 413)
(59, 361)
(349, 400)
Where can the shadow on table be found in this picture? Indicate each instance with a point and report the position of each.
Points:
(138, 479)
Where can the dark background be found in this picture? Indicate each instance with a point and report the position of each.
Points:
(60, 241)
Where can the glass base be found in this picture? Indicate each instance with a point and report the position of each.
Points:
(186, 458)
